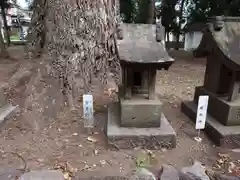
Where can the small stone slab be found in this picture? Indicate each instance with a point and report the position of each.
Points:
(129, 138)
(196, 169)
(43, 175)
(224, 136)
(10, 174)
(143, 173)
(168, 173)
(7, 112)
(101, 178)
(225, 177)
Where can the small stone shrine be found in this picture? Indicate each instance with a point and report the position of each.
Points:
(137, 119)
(220, 44)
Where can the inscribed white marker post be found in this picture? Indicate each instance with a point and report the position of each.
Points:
(88, 110)
(201, 114)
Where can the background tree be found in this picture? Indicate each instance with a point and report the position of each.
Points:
(145, 12)
(128, 10)
(201, 10)
(138, 11)
(4, 5)
(3, 50)
(151, 12)
(168, 14)
(181, 20)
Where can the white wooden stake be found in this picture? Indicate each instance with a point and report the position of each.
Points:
(201, 115)
(88, 111)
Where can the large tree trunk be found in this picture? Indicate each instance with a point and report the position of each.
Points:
(80, 37)
(5, 25)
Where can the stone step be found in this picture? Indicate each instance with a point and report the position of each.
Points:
(6, 112)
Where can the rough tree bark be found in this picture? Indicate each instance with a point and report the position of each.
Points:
(80, 37)
(5, 25)
(3, 50)
(37, 32)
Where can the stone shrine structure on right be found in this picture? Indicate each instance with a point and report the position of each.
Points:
(220, 44)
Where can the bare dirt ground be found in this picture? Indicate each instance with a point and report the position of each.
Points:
(65, 140)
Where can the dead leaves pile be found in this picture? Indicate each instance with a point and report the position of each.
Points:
(226, 165)
(66, 169)
(111, 91)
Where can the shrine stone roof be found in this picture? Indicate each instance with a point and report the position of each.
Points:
(139, 45)
(226, 38)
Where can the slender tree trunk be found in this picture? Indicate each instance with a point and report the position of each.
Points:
(3, 50)
(151, 12)
(167, 36)
(37, 30)
(80, 36)
(179, 25)
(5, 25)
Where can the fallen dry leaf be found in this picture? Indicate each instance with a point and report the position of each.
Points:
(66, 169)
(69, 168)
(66, 176)
(95, 152)
(92, 139)
(231, 167)
(110, 91)
(220, 161)
(103, 162)
(225, 156)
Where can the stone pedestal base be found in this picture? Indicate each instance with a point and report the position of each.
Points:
(140, 113)
(129, 138)
(228, 113)
(224, 136)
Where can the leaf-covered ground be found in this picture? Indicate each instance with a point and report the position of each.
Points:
(65, 140)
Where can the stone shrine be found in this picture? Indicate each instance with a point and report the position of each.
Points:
(137, 119)
(220, 45)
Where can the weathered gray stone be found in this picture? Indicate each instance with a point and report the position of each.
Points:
(7, 112)
(196, 169)
(168, 173)
(139, 112)
(225, 177)
(224, 136)
(101, 178)
(129, 138)
(227, 113)
(43, 175)
(142, 174)
(10, 174)
(221, 81)
(140, 46)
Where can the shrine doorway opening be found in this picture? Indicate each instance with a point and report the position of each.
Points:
(137, 79)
